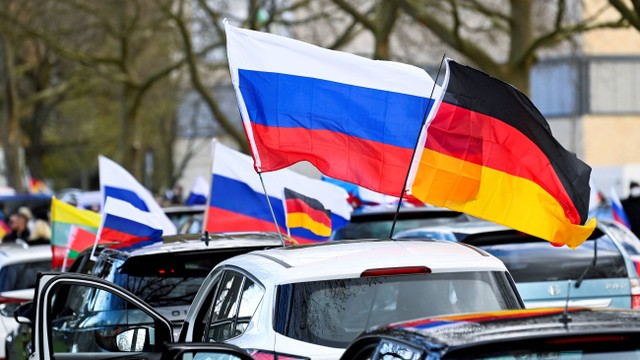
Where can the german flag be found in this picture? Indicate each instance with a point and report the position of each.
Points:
(307, 217)
(490, 153)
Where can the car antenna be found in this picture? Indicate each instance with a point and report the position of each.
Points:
(566, 318)
(205, 237)
(591, 266)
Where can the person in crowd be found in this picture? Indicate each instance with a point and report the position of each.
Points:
(631, 206)
(173, 196)
(26, 212)
(41, 233)
(19, 229)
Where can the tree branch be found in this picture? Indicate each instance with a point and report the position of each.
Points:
(364, 20)
(627, 13)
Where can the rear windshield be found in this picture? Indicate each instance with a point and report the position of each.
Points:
(22, 276)
(333, 312)
(531, 261)
(163, 284)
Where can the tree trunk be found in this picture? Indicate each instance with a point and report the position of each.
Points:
(129, 144)
(386, 14)
(11, 135)
(521, 26)
(35, 150)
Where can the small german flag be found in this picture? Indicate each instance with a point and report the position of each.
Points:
(307, 217)
(490, 153)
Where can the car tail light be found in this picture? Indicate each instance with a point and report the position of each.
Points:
(270, 355)
(635, 293)
(396, 271)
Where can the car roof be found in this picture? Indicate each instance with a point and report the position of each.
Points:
(349, 258)
(466, 330)
(14, 253)
(194, 242)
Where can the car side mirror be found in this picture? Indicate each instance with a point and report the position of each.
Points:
(133, 340)
(24, 313)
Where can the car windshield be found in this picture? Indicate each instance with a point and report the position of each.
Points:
(22, 276)
(333, 312)
(532, 261)
(381, 228)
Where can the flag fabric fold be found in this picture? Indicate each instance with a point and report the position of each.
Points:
(238, 202)
(199, 192)
(353, 118)
(65, 217)
(489, 152)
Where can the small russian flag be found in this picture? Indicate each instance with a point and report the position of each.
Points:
(618, 211)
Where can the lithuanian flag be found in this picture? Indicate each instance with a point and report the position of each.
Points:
(490, 153)
(64, 218)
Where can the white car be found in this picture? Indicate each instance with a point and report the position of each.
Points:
(305, 302)
(19, 265)
(310, 302)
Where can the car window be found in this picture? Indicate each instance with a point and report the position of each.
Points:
(22, 276)
(93, 325)
(629, 242)
(533, 261)
(237, 299)
(333, 312)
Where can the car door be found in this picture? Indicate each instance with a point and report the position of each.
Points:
(84, 317)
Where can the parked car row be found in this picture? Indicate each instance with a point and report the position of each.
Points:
(455, 287)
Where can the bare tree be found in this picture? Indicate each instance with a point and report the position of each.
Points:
(501, 37)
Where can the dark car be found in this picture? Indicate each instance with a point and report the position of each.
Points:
(551, 333)
(165, 275)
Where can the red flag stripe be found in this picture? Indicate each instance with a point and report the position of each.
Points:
(382, 176)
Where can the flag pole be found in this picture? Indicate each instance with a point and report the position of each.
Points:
(424, 120)
(273, 214)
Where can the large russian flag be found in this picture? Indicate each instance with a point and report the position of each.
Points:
(238, 201)
(353, 118)
(490, 153)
